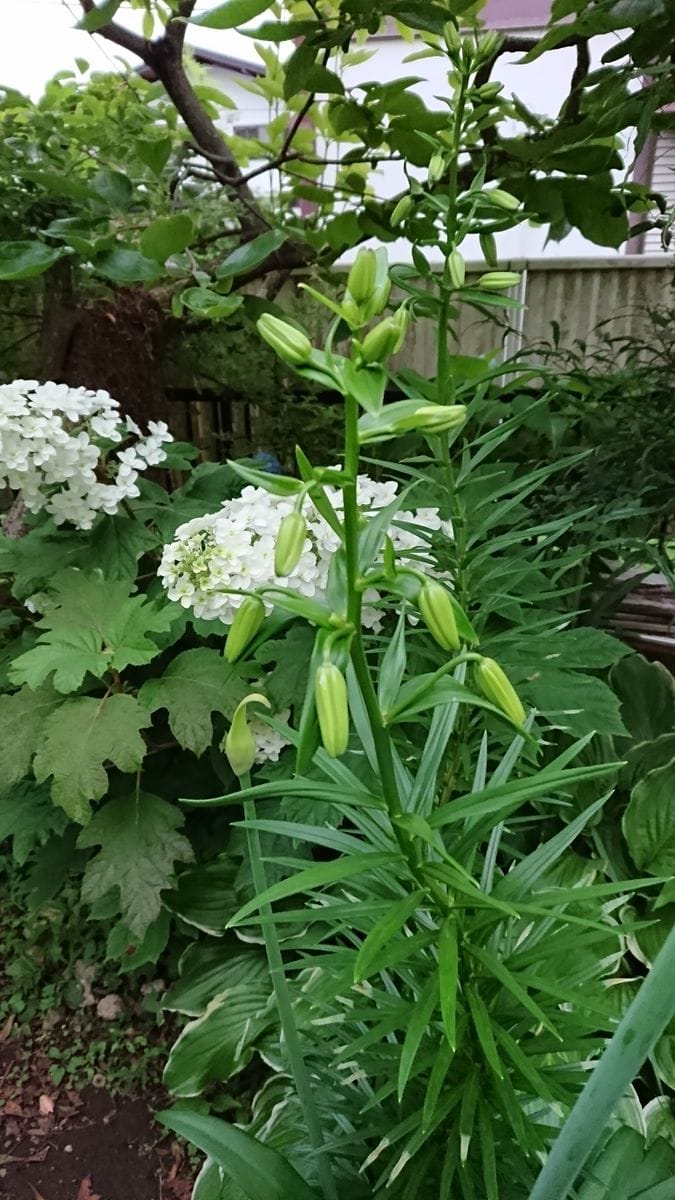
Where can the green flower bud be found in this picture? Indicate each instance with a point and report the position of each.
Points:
(378, 300)
(436, 168)
(451, 37)
(239, 745)
(438, 615)
(495, 281)
(488, 246)
(381, 341)
(502, 199)
(456, 269)
(489, 91)
(293, 346)
(332, 709)
(496, 686)
(488, 45)
(247, 621)
(290, 543)
(401, 210)
(436, 418)
(361, 278)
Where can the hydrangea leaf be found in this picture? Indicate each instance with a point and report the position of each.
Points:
(68, 655)
(287, 682)
(28, 816)
(81, 736)
(22, 719)
(196, 684)
(117, 543)
(140, 844)
(91, 625)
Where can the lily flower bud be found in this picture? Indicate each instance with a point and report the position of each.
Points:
(247, 621)
(293, 346)
(290, 542)
(496, 686)
(239, 745)
(496, 281)
(361, 278)
(438, 615)
(332, 709)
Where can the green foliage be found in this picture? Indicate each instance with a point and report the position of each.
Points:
(196, 684)
(139, 846)
(456, 910)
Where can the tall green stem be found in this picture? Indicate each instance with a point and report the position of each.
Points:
(298, 1067)
(381, 735)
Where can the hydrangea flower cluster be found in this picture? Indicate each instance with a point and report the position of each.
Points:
(55, 450)
(268, 742)
(234, 548)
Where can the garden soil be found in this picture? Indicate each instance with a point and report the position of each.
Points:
(90, 1147)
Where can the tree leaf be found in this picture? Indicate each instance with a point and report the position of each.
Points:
(649, 822)
(77, 740)
(196, 684)
(22, 721)
(123, 265)
(25, 260)
(261, 1172)
(231, 14)
(166, 236)
(99, 15)
(207, 303)
(139, 846)
(251, 254)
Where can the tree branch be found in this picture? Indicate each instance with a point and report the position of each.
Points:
(570, 109)
(112, 32)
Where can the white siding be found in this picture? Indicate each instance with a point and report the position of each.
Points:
(662, 181)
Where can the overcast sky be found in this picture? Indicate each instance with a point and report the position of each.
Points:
(39, 38)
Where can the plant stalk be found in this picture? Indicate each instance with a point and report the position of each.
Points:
(648, 1015)
(297, 1064)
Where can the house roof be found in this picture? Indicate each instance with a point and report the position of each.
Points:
(211, 58)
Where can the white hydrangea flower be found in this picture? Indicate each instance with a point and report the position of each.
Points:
(56, 441)
(268, 742)
(234, 549)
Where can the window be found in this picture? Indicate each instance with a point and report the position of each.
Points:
(250, 131)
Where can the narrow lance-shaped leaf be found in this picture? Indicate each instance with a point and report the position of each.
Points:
(512, 985)
(314, 877)
(483, 1026)
(382, 933)
(448, 978)
(419, 1020)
